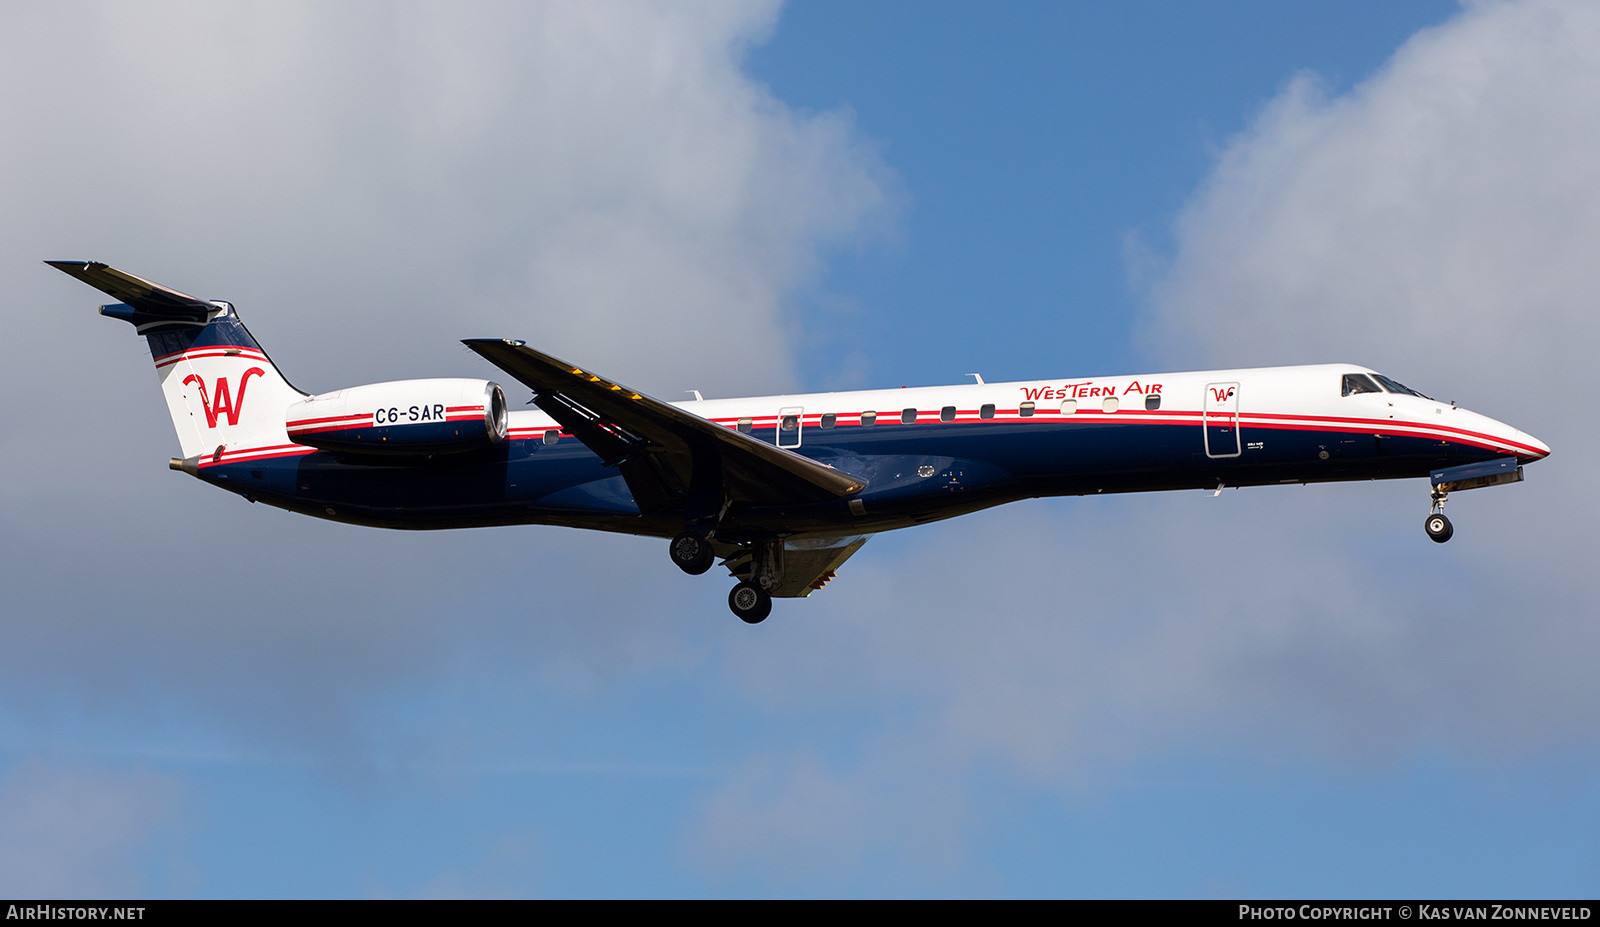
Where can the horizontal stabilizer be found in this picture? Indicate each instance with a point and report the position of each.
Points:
(146, 303)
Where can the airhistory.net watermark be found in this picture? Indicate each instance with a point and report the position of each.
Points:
(50, 912)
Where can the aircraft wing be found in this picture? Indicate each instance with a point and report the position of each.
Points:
(663, 451)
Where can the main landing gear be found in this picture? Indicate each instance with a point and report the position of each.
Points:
(758, 566)
(692, 553)
(750, 602)
(1438, 526)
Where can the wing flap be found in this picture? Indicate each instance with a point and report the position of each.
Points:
(808, 565)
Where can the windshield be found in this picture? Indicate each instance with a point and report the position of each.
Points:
(1395, 386)
(1358, 383)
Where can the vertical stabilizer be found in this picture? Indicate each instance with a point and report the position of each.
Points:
(226, 397)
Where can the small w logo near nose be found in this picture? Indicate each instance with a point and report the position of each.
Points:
(225, 403)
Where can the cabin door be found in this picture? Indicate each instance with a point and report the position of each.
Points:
(789, 421)
(1219, 420)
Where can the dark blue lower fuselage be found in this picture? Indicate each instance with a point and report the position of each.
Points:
(915, 473)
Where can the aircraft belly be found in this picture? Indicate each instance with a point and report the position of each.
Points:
(502, 485)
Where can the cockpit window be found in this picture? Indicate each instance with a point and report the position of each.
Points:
(1359, 383)
(1394, 386)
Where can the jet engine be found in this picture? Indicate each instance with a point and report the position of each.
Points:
(402, 418)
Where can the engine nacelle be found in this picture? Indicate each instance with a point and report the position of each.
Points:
(403, 418)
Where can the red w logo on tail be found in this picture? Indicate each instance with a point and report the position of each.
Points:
(225, 405)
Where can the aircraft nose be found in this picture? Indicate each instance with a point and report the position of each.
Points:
(1508, 439)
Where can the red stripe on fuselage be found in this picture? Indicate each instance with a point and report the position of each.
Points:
(256, 453)
(1259, 420)
(331, 418)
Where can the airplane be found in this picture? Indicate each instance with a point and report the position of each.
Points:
(781, 489)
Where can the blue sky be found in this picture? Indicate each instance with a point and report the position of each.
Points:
(1059, 698)
(1032, 139)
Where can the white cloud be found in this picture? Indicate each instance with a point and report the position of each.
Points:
(370, 182)
(1439, 221)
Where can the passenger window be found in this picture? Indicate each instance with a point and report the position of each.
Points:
(827, 420)
(552, 435)
(1025, 410)
(745, 425)
(987, 411)
(1152, 401)
(869, 418)
(1110, 404)
(1359, 383)
(789, 422)
(1069, 407)
(947, 414)
(908, 417)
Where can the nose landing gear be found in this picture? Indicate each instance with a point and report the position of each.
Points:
(1468, 476)
(1438, 526)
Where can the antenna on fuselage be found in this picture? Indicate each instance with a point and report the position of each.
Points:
(978, 377)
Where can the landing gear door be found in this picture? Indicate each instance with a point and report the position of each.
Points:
(1220, 420)
(790, 419)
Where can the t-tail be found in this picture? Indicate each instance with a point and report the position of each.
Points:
(226, 397)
